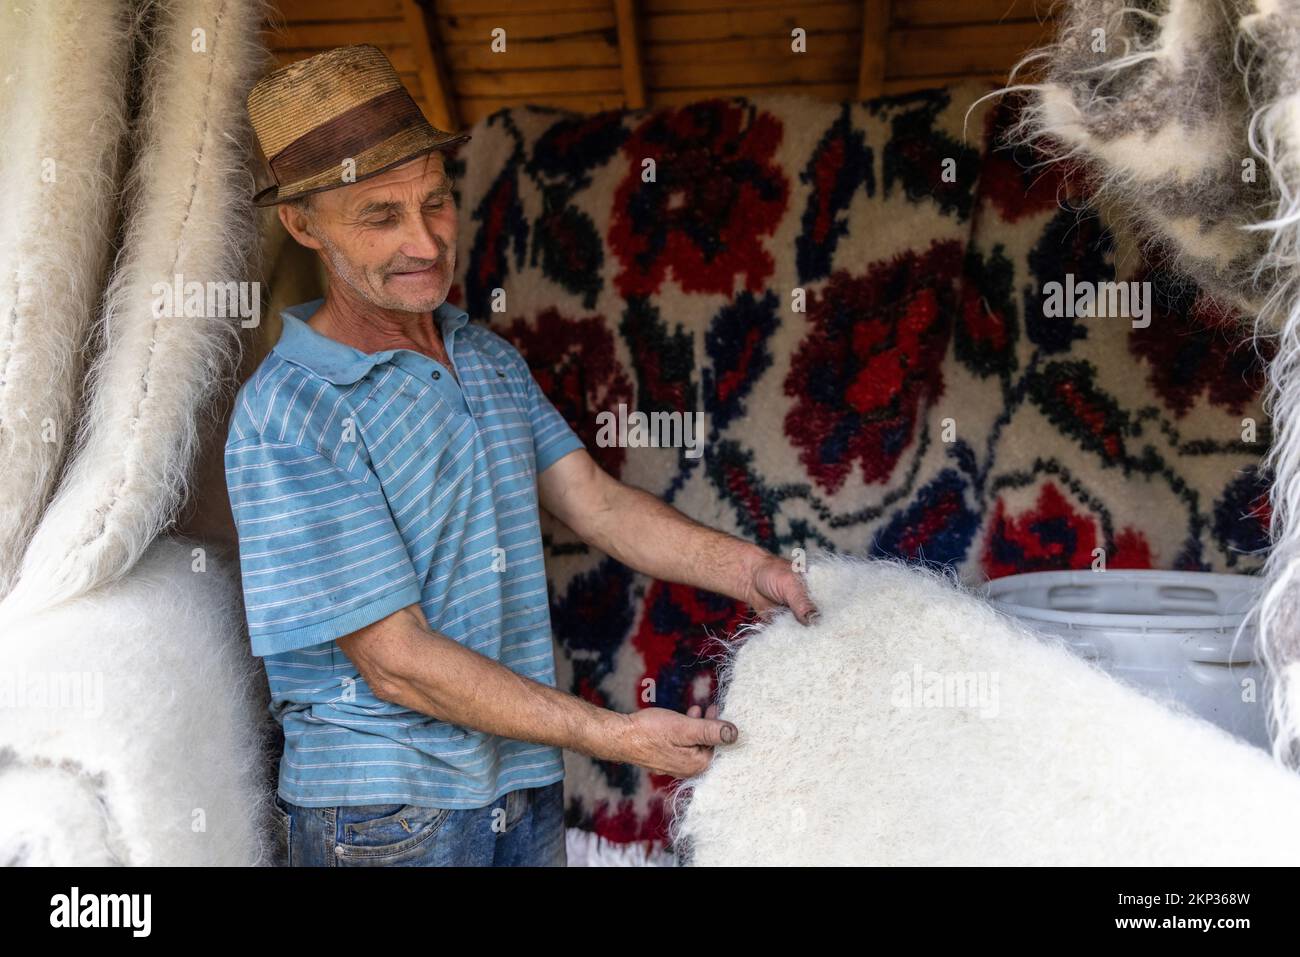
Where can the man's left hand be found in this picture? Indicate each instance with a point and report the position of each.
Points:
(775, 583)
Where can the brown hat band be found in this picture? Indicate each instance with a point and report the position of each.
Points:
(348, 134)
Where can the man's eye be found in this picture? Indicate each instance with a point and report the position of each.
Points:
(433, 207)
(386, 221)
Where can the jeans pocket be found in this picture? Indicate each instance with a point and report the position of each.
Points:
(281, 834)
(382, 833)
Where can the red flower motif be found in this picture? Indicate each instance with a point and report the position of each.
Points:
(717, 193)
(1018, 181)
(574, 362)
(1197, 345)
(1052, 536)
(873, 355)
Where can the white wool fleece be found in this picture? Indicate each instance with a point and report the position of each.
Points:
(63, 82)
(915, 725)
(135, 729)
(189, 214)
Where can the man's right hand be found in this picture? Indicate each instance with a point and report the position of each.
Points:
(678, 745)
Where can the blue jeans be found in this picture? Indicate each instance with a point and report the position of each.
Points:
(524, 828)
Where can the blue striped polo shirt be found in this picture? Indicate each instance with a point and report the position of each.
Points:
(363, 483)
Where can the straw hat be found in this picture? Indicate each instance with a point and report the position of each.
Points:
(347, 103)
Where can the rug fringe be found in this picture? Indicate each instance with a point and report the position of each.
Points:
(588, 849)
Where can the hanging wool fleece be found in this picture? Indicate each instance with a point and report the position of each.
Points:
(135, 722)
(135, 729)
(64, 87)
(1185, 117)
(915, 725)
(190, 226)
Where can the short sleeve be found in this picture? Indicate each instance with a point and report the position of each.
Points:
(320, 555)
(553, 438)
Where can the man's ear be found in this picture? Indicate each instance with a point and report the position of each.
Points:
(298, 224)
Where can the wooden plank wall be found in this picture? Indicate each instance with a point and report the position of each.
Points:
(591, 55)
(310, 26)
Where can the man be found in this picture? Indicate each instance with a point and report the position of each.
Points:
(385, 465)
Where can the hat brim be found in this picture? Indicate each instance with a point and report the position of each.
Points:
(400, 148)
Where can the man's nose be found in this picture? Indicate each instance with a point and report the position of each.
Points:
(422, 243)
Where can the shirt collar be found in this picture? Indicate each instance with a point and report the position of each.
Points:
(335, 361)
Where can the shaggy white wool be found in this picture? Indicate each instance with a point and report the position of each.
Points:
(1147, 94)
(60, 818)
(190, 215)
(1187, 117)
(135, 724)
(852, 750)
(64, 89)
(1271, 40)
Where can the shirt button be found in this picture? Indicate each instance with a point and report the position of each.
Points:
(437, 374)
(338, 850)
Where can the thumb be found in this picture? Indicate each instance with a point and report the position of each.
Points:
(805, 612)
(796, 598)
(705, 731)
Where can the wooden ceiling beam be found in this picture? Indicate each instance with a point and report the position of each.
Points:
(432, 66)
(875, 41)
(629, 54)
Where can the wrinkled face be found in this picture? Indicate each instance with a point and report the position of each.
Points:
(391, 238)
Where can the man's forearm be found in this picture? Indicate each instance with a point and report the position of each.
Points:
(651, 536)
(654, 538)
(430, 673)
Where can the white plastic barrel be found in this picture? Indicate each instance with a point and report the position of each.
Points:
(1173, 634)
